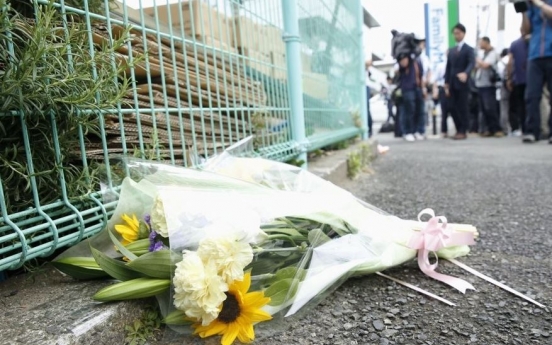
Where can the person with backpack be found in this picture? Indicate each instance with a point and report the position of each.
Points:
(486, 77)
(411, 83)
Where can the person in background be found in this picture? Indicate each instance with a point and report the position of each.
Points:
(536, 22)
(516, 80)
(476, 123)
(460, 62)
(423, 100)
(502, 93)
(440, 94)
(396, 97)
(485, 81)
(410, 82)
(545, 113)
(390, 104)
(367, 65)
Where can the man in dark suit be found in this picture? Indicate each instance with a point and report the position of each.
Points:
(460, 62)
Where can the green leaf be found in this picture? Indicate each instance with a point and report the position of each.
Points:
(317, 237)
(143, 231)
(120, 246)
(335, 222)
(264, 265)
(288, 273)
(115, 268)
(281, 291)
(133, 289)
(139, 247)
(155, 264)
(77, 271)
(177, 317)
(286, 231)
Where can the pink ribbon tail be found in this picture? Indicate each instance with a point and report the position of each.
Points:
(457, 283)
(495, 282)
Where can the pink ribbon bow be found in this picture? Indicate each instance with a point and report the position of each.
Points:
(435, 236)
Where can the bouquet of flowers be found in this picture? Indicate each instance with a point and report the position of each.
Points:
(246, 240)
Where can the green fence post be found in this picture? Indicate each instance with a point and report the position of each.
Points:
(294, 75)
(362, 73)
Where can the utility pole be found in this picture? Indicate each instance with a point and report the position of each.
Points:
(478, 30)
(500, 44)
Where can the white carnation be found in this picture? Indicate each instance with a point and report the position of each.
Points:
(199, 290)
(158, 220)
(229, 255)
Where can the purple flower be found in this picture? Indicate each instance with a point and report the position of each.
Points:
(154, 244)
(147, 219)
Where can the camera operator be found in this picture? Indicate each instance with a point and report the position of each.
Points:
(536, 22)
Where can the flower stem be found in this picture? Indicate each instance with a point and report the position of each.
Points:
(275, 250)
(262, 276)
(282, 237)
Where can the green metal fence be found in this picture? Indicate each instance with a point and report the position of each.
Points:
(85, 82)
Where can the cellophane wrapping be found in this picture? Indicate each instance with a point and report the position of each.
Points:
(246, 241)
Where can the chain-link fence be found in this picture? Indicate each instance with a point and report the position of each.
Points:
(85, 82)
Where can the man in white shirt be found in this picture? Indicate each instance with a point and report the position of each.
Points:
(367, 65)
(390, 87)
(440, 94)
(420, 124)
(502, 92)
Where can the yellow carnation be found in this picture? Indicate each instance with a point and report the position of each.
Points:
(199, 290)
(229, 256)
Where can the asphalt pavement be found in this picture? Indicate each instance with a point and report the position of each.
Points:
(499, 185)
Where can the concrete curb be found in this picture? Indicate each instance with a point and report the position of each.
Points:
(44, 307)
(334, 166)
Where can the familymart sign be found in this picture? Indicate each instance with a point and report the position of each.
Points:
(440, 17)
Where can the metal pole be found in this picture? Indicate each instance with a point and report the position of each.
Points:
(501, 25)
(362, 73)
(294, 76)
(478, 27)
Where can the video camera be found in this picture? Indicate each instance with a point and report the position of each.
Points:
(403, 45)
(520, 5)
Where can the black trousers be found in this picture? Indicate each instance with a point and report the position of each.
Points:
(487, 102)
(445, 109)
(517, 108)
(368, 96)
(539, 74)
(459, 107)
(474, 107)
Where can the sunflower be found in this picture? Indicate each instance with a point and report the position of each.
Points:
(130, 230)
(237, 315)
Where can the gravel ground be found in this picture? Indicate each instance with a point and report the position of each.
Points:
(499, 185)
